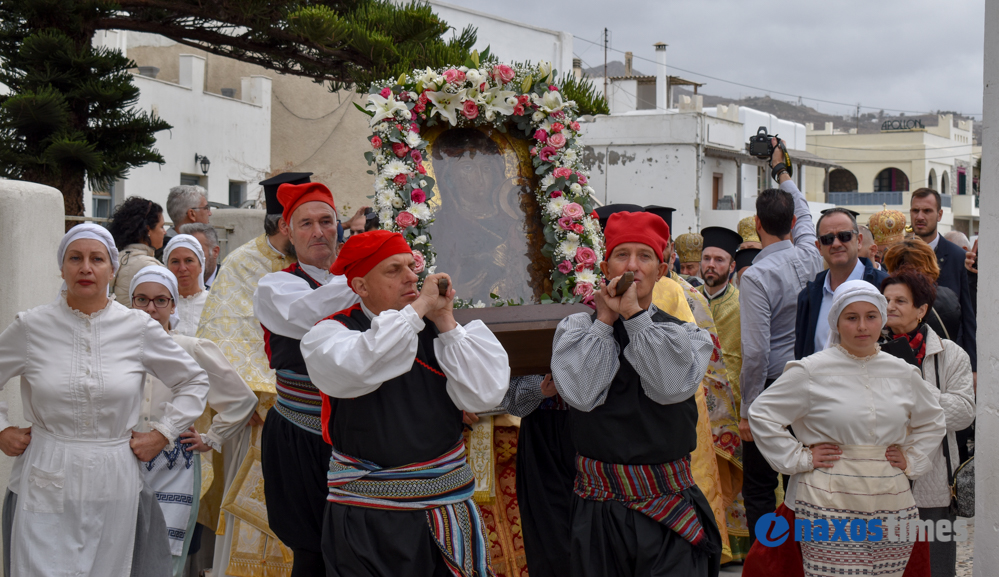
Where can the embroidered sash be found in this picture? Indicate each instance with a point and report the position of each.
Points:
(299, 401)
(653, 490)
(442, 487)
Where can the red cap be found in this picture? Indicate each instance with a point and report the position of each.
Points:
(362, 252)
(292, 196)
(643, 227)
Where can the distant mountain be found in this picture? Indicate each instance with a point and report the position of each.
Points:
(614, 68)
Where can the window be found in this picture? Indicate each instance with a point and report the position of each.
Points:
(762, 179)
(842, 180)
(190, 180)
(716, 190)
(962, 181)
(891, 180)
(237, 193)
(102, 202)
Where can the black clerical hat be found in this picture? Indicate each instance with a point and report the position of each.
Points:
(720, 237)
(271, 186)
(604, 212)
(853, 212)
(745, 257)
(664, 212)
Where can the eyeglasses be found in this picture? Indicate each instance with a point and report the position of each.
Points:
(844, 237)
(143, 302)
(206, 207)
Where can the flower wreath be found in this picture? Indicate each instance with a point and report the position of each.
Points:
(497, 95)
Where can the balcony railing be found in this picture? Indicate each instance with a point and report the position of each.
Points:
(893, 198)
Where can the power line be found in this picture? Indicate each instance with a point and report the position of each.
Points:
(770, 91)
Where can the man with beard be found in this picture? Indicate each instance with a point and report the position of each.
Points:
(717, 267)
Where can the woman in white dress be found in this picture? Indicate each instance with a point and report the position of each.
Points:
(175, 473)
(185, 258)
(82, 361)
(864, 424)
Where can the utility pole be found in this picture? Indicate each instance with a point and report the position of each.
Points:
(606, 96)
(858, 117)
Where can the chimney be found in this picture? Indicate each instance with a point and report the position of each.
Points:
(661, 79)
(577, 68)
(628, 59)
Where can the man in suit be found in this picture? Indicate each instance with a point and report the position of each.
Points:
(839, 241)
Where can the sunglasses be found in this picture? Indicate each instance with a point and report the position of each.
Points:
(844, 237)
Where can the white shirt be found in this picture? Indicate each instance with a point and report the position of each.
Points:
(211, 279)
(833, 397)
(933, 243)
(189, 310)
(287, 305)
(822, 325)
(346, 364)
(232, 400)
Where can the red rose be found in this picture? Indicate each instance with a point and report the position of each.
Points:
(523, 99)
(423, 99)
(399, 179)
(420, 107)
(518, 110)
(421, 169)
(418, 195)
(552, 88)
(578, 228)
(557, 127)
(386, 92)
(414, 127)
(580, 268)
(540, 135)
(406, 219)
(555, 194)
(376, 142)
(400, 149)
(470, 110)
(574, 126)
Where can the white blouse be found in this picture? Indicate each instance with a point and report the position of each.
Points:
(287, 305)
(82, 375)
(346, 364)
(189, 310)
(232, 399)
(834, 397)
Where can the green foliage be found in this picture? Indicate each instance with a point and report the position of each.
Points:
(588, 99)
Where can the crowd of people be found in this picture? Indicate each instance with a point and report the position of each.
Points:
(307, 401)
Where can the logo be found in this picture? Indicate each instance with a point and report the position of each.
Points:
(772, 530)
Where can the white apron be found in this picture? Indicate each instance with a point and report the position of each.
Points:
(76, 509)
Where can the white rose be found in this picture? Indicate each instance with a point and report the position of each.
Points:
(422, 239)
(475, 77)
(423, 183)
(511, 100)
(397, 201)
(490, 115)
(575, 188)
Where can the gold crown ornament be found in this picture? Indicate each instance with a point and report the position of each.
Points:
(689, 246)
(888, 227)
(747, 229)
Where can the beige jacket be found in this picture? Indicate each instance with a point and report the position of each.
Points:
(957, 397)
(132, 259)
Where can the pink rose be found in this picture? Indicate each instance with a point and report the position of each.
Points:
(420, 261)
(581, 178)
(557, 127)
(420, 107)
(583, 289)
(405, 219)
(541, 135)
(416, 156)
(552, 88)
(400, 149)
(386, 92)
(555, 194)
(565, 223)
(454, 75)
(403, 95)
(565, 267)
(557, 140)
(470, 110)
(534, 151)
(558, 114)
(418, 195)
(573, 210)
(518, 110)
(562, 172)
(414, 127)
(399, 179)
(547, 153)
(578, 228)
(523, 99)
(574, 126)
(586, 256)
(503, 72)
(376, 142)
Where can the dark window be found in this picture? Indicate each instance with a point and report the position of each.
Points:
(891, 180)
(237, 193)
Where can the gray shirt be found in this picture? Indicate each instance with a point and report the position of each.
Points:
(768, 301)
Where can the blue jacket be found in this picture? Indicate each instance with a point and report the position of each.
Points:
(954, 276)
(810, 301)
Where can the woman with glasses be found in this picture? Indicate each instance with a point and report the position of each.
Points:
(137, 228)
(72, 505)
(176, 470)
(185, 258)
(947, 367)
(865, 423)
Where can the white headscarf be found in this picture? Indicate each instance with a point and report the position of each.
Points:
(850, 292)
(91, 231)
(184, 241)
(162, 275)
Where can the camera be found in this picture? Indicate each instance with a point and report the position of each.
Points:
(760, 145)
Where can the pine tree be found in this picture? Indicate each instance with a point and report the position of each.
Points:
(69, 116)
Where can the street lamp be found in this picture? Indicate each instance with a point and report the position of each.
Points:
(203, 160)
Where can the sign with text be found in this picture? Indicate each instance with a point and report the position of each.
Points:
(902, 124)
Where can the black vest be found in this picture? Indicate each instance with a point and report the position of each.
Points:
(409, 419)
(285, 352)
(630, 428)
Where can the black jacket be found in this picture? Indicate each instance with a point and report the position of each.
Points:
(809, 303)
(954, 276)
(945, 314)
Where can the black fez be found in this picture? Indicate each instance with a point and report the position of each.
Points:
(664, 212)
(720, 237)
(745, 257)
(271, 186)
(604, 212)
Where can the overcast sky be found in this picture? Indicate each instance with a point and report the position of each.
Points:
(918, 55)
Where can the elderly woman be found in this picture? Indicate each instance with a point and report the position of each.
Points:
(864, 423)
(944, 314)
(75, 484)
(947, 367)
(175, 470)
(185, 258)
(137, 228)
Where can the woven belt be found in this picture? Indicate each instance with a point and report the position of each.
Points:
(299, 401)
